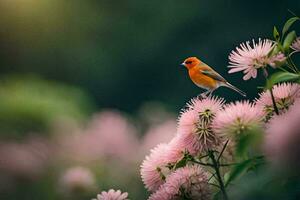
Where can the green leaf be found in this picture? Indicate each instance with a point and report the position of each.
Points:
(288, 24)
(288, 40)
(180, 163)
(276, 49)
(238, 170)
(247, 139)
(282, 77)
(242, 168)
(226, 177)
(276, 34)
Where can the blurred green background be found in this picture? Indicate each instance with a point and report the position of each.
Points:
(124, 53)
(65, 60)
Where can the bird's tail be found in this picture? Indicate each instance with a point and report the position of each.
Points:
(235, 89)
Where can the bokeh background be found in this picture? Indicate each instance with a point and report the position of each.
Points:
(88, 87)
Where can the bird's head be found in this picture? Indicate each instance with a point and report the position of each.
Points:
(191, 62)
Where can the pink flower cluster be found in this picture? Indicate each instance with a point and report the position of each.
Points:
(204, 125)
(285, 95)
(106, 130)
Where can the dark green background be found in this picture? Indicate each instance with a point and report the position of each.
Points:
(124, 53)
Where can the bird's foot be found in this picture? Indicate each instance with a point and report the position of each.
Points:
(203, 95)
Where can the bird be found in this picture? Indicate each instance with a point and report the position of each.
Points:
(205, 77)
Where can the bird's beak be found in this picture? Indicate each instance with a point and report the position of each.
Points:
(182, 64)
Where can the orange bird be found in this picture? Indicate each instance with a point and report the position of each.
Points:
(205, 77)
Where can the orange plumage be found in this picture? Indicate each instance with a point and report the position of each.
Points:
(205, 77)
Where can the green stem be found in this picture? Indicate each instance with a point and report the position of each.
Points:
(201, 163)
(216, 166)
(223, 149)
(273, 101)
(213, 175)
(227, 164)
(281, 68)
(271, 92)
(292, 64)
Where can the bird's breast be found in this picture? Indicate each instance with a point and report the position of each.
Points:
(202, 80)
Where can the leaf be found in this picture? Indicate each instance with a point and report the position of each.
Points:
(288, 40)
(180, 163)
(288, 24)
(282, 77)
(249, 138)
(276, 34)
(242, 168)
(226, 177)
(238, 170)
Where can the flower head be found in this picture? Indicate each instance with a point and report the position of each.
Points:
(249, 58)
(284, 94)
(283, 138)
(112, 195)
(176, 150)
(277, 60)
(77, 179)
(189, 181)
(296, 44)
(194, 126)
(237, 118)
(153, 168)
(106, 130)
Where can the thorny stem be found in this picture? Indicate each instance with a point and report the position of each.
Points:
(216, 166)
(213, 175)
(211, 165)
(201, 163)
(273, 101)
(203, 157)
(224, 147)
(271, 92)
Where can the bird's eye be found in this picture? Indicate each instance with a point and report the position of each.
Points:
(188, 62)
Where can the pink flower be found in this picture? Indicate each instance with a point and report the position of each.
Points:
(296, 44)
(175, 151)
(194, 126)
(189, 181)
(153, 168)
(283, 138)
(277, 60)
(109, 135)
(77, 179)
(27, 159)
(249, 58)
(237, 118)
(284, 93)
(112, 195)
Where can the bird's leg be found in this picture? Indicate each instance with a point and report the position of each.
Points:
(210, 92)
(204, 94)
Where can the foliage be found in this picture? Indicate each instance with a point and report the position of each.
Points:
(31, 104)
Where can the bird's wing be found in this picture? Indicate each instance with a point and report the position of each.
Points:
(208, 71)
